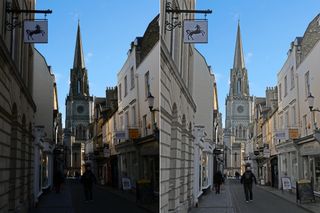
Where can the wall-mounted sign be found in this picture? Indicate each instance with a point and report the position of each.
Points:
(281, 134)
(35, 31)
(120, 135)
(134, 133)
(293, 133)
(195, 31)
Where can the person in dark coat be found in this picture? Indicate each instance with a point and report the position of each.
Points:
(87, 180)
(247, 179)
(217, 179)
(58, 179)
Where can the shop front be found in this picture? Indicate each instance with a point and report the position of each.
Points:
(310, 158)
(287, 162)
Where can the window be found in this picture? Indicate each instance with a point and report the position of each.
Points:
(125, 86)
(285, 86)
(121, 123)
(132, 78)
(274, 123)
(134, 122)
(292, 78)
(147, 84)
(114, 123)
(127, 124)
(144, 125)
(281, 122)
(120, 95)
(286, 119)
(79, 85)
(294, 116)
(307, 84)
(280, 95)
(305, 125)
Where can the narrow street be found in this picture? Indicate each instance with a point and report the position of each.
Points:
(232, 200)
(263, 201)
(103, 201)
(71, 200)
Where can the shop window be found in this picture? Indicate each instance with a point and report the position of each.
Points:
(317, 174)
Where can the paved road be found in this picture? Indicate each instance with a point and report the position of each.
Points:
(263, 201)
(104, 201)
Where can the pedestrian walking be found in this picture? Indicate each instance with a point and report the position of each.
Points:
(237, 174)
(247, 179)
(87, 180)
(217, 179)
(58, 180)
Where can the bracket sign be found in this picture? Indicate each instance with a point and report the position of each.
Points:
(175, 12)
(15, 16)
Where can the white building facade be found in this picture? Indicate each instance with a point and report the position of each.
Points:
(203, 126)
(44, 124)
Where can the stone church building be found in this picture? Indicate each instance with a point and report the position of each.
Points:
(239, 105)
(79, 111)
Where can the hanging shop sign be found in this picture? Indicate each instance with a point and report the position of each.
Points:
(195, 31)
(35, 31)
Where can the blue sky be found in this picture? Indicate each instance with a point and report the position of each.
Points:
(267, 29)
(107, 29)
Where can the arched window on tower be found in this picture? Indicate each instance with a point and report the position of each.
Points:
(239, 86)
(79, 86)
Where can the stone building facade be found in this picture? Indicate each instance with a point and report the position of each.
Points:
(238, 111)
(79, 111)
(177, 113)
(17, 110)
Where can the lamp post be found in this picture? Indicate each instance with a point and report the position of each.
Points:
(310, 101)
(150, 100)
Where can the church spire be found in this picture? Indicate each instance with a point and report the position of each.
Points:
(78, 53)
(238, 62)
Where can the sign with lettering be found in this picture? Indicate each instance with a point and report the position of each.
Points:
(281, 134)
(134, 133)
(293, 133)
(35, 31)
(304, 191)
(120, 134)
(195, 31)
(126, 184)
(286, 183)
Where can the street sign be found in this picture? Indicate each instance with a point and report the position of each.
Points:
(120, 135)
(35, 31)
(195, 31)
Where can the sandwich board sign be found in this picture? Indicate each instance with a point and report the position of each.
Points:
(35, 31)
(195, 31)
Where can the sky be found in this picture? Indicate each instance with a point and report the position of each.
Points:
(109, 26)
(107, 29)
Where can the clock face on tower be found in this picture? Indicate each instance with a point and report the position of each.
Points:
(240, 109)
(80, 109)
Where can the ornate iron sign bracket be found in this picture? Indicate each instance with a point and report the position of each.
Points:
(10, 25)
(175, 16)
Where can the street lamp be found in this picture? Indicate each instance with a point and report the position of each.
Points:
(310, 100)
(150, 100)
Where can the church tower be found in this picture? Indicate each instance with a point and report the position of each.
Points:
(238, 110)
(78, 109)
